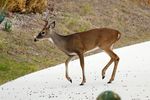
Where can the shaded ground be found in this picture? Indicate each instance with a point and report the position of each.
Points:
(20, 55)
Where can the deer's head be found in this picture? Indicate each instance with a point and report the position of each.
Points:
(46, 31)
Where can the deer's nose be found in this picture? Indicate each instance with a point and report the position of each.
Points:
(35, 40)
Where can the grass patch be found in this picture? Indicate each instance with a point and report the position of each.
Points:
(84, 26)
(75, 22)
(11, 69)
(86, 9)
(20, 55)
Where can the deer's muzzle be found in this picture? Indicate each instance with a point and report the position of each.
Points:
(35, 39)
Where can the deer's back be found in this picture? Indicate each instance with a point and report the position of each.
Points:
(90, 39)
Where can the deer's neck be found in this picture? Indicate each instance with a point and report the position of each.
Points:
(58, 40)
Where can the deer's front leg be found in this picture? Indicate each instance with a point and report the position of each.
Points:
(66, 64)
(81, 57)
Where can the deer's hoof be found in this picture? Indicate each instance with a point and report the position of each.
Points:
(70, 80)
(103, 77)
(109, 82)
(81, 84)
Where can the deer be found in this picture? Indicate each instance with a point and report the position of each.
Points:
(79, 43)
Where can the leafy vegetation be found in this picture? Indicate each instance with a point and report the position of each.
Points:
(24, 5)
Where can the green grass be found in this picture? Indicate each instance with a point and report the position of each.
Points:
(74, 22)
(86, 9)
(11, 69)
(84, 26)
(20, 55)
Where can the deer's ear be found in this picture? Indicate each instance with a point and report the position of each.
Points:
(53, 24)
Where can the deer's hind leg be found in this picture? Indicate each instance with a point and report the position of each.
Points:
(105, 68)
(114, 58)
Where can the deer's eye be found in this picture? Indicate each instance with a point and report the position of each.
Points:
(42, 33)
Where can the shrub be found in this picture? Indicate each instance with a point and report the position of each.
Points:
(24, 5)
(36, 5)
